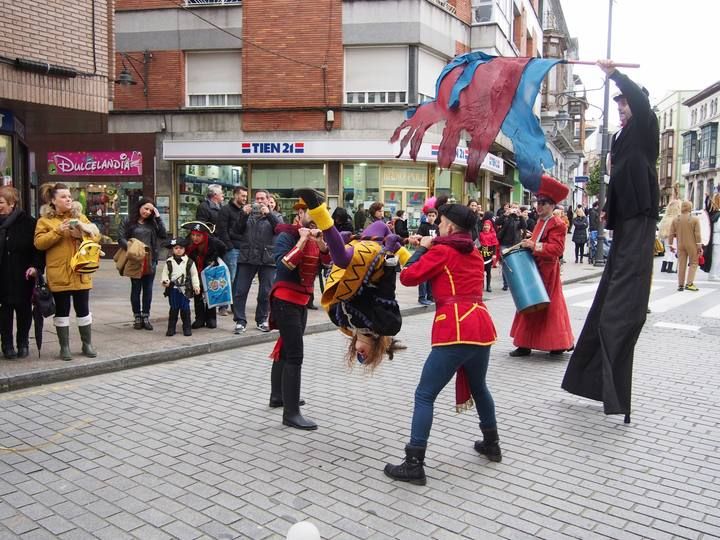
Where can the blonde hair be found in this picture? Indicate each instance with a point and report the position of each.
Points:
(671, 212)
(10, 194)
(686, 207)
(580, 212)
(715, 203)
(382, 345)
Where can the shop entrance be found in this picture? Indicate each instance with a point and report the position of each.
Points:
(410, 200)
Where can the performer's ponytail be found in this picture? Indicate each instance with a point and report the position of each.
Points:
(48, 191)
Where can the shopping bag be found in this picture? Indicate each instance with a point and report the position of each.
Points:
(216, 285)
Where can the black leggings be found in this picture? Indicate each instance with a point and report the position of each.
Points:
(579, 250)
(80, 302)
(291, 320)
(23, 314)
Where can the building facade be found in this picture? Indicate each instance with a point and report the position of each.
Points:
(700, 146)
(55, 77)
(264, 95)
(674, 120)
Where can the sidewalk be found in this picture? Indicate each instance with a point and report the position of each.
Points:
(119, 346)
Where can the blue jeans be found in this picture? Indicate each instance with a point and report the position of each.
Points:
(424, 292)
(144, 285)
(231, 259)
(241, 288)
(440, 366)
(592, 244)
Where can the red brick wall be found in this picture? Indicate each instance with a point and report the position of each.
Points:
(271, 81)
(126, 5)
(461, 48)
(463, 10)
(166, 82)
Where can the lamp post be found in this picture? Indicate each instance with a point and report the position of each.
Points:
(600, 252)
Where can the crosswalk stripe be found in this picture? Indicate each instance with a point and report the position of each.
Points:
(679, 298)
(698, 283)
(712, 313)
(677, 326)
(588, 303)
(569, 293)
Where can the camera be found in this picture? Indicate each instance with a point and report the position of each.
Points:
(256, 208)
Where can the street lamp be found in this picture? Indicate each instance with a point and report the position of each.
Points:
(126, 78)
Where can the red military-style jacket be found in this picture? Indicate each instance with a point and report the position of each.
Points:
(457, 280)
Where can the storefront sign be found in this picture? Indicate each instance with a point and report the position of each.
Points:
(95, 163)
(339, 150)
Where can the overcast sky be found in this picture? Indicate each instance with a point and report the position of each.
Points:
(675, 42)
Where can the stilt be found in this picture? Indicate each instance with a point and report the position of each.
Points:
(627, 418)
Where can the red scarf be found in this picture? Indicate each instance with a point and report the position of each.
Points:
(199, 250)
(488, 238)
(461, 242)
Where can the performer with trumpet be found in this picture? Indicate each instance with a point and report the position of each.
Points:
(549, 329)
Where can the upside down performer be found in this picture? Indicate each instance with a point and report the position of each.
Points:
(549, 329)
(298, 253)
(360, 290)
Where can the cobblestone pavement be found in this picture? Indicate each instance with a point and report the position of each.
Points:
(188, 449)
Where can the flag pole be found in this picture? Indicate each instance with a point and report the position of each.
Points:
(592, 63)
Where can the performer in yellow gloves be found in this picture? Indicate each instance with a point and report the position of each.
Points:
(360, 290)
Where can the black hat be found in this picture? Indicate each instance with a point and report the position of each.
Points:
(459, 214)
(199, 226)
(182, 242)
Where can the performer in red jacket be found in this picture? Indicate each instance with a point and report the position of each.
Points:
(549, 329)
(462, 334)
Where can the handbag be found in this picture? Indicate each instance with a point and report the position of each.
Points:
(42, 298)
(120, 259)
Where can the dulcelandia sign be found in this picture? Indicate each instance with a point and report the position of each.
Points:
(95, 163)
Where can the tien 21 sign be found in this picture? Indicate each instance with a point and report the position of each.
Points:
(95, 163)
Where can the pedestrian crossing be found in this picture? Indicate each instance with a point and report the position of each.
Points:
(663, 298)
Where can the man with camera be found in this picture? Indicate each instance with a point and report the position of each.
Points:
(255, 229)
(511, 228)
(227, 218)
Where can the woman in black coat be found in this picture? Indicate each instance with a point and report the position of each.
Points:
(580, 235)
(20, 263)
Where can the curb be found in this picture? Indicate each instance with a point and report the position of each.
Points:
(76, 371)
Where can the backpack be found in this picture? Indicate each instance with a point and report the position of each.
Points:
(87, 257)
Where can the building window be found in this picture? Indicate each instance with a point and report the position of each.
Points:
(376, 75)
(671, 116)
(429, 68)
(664, 120)
(708, 146)
(361, 185)
(214, 79)
(689, 147)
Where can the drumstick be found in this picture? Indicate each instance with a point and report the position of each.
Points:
(591, 63)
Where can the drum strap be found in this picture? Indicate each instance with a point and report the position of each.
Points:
(466, 298)
(542, 231)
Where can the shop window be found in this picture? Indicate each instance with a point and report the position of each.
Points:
(361, 185)
(281, 180)
(193, 181)
(107, 204)
(214, 79)
(6, 160)
(404, 176)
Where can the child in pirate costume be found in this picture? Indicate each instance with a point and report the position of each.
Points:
(299, 251)
(205, 250)
(181, 281)
(359, 293)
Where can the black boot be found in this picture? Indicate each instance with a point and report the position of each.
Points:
(411, 470)
(490, 445)
(138, 324)
(9, 352)
(23, 348)
(291, 379)
(312, 198)
(520, 351)
(146, 321)
(670, 268)
(172, 322)
(187, 327)
(276, 400)
(199, 313)
(211, 318)
(664, 267)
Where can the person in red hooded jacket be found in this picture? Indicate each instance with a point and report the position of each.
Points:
(462, 334)
(548, 329)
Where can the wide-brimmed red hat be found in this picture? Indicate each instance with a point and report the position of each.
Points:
(552, 189)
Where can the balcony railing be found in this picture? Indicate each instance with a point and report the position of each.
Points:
(204, 3)
(707, 162)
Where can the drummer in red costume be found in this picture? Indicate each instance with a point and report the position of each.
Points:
(549, 329)
(462, 334)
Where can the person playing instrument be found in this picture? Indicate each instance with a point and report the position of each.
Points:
(462, 334)
(548, 329)
(359, 292)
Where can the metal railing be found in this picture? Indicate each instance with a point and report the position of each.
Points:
(191, 3)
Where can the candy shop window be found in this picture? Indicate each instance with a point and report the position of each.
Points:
(106, 204)
(193, 181)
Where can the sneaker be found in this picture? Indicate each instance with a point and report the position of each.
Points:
(691, 287)
(223, 311)
(425, 302)
(239, 328)
(263, 327)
